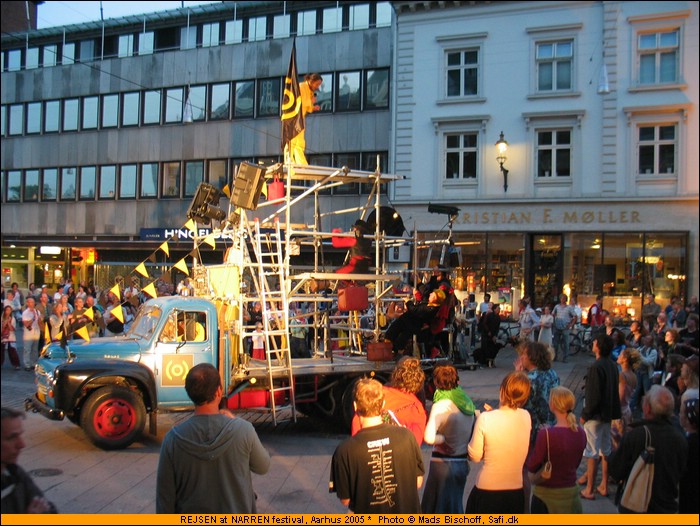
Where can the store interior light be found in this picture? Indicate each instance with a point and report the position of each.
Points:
(49, 250)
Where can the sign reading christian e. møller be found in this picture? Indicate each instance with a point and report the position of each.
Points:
(185, 234)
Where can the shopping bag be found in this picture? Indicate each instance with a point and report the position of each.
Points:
(637, 492)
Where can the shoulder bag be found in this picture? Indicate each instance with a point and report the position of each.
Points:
(637, 492)
(545, 472)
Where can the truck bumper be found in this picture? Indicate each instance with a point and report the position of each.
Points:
(35, 405)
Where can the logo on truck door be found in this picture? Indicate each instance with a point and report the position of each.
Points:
(175, 369)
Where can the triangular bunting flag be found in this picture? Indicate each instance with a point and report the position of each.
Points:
(90, 313)
(227, 191)
(141, 269)
(190, 225)
(116, 291)
(152, 258)
(164, 247)
(83, 333)
(150, 289)
(182, 267)
(209, 240)
(118, 313)
(47, 333)
(264, 189)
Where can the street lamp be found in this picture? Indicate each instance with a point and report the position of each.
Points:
(502, 146)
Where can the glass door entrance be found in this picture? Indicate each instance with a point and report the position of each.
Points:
(546, 269)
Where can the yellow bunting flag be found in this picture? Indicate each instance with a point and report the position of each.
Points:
(227, 191)
(150, 289)
(90, 313)
(164, 247)
(47, 333)
(116, 291)
(264, 189)
(118, 313)
(83, 333)
(209, 240)
(59, 336)
(191, 226)
(182, 267)
(141, 269)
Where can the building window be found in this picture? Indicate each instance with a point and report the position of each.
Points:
(233, 32)
(553, 153)
(188, 37)
(658, 57)
(217, 174)
(88, 183)
(245, 99)
(151, 107)
(50, 55)
(3, 122)
(324, 94)
(210, 35)
(269, 97)
(87, 50)
(68, 183)
(348, 96)
(31, 185)
(127, 181)
(14, 186)
(194, 174)
(555, 65)
(352, 161)
(68, 53)
(384, 11)
(34, 117)
(281, 26)
(32, 58)
(462, 72)
(461, 155)
(306, 23)
(173, 105)
(52, 116)
(126, 46)
(14, 60)
(90, 112)
(257, 28)
(220, 101)
(332, 19)
(198, 102)
(49, 184)
(110, 111)
(146, 43)
(71, 110)
(131, 105)
(16, 126)
(171, 179)
(149, 180)
(108, 181)
(376, 89)
(359, 17)
(657, 149)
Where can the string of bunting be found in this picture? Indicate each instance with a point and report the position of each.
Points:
(140, 269)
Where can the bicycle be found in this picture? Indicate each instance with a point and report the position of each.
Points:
(581, 339)
(509, 332)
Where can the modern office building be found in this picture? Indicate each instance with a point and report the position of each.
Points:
(597, 191)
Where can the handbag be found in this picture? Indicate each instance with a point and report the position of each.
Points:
(545, 472)
(637, 492)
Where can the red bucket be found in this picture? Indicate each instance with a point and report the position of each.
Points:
(275, 190)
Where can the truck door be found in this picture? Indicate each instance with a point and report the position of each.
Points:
(184, 341)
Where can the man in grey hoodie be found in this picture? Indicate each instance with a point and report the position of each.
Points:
(206, 462)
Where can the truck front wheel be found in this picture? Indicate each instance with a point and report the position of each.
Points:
(113, 417)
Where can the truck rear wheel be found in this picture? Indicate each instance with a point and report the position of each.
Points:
(113, 417)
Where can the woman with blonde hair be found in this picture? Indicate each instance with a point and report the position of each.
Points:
(629, 361)
(501, 439)
(563, 446)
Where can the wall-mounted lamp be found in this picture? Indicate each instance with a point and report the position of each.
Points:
(502, 146)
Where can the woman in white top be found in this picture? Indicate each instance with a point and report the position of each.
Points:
(501, 439)
(546, 322)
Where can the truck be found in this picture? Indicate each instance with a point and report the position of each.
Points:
(110, 385)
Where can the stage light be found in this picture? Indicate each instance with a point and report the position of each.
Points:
(443, 209)
(204, 205)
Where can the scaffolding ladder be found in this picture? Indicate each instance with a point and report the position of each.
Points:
(275, 310)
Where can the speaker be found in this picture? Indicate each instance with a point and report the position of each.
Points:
(248, 185)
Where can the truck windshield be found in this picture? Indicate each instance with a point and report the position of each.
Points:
(145, 322)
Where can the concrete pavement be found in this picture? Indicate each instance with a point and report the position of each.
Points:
(80, 478)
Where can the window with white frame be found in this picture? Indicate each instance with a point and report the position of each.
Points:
(461, 155)
(462, 69)
(657, 145)
(658, 57)
(233, 32)
(554, 61)
(257, 28)
(359, 17)
(126, 45)
(210, 34)
(554, 153)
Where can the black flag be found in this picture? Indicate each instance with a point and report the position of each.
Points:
(292, 116)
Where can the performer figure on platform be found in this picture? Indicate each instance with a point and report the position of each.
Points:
(308, 88)
(359, 248)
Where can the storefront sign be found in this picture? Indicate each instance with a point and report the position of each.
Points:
(176, 234)
(552, 216)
